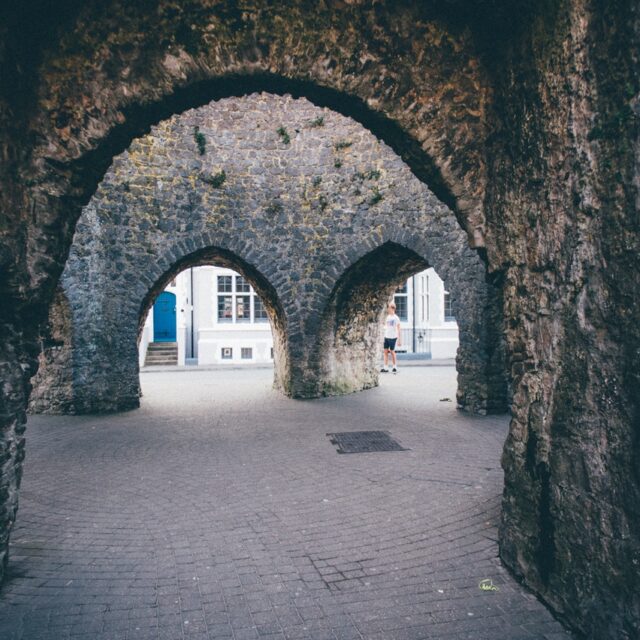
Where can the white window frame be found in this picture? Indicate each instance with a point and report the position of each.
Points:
(234, 294)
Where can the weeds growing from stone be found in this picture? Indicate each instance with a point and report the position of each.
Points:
(284, 135)
(200, 140)
(215, 180)
(376, 197)
(342, 144)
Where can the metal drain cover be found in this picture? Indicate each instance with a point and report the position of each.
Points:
(364, 442)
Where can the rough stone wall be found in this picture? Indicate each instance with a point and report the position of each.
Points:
(521, 116)
(349, 341)
(568, 250)
(290, 195)
(53, 384)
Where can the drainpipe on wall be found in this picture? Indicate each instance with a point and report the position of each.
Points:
(413, 300)
(191, 301)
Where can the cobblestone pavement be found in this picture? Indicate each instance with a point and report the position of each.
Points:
(220, 509)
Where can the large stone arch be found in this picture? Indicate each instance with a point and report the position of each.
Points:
(290, 221)
(77, 90)
(548, 153)
(88, 107)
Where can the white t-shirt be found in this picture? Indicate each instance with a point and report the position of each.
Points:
(391, 326)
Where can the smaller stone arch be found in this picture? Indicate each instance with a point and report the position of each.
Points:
(263, 287)
(346, 355)
(348, 343)
(106, 370)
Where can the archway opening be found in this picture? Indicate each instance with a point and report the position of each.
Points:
(226, 176)
(226, 313)
(306, 230)
(428, 326)
(348, 353)
(207, 315)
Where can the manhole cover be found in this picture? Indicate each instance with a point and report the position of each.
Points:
(364, 442)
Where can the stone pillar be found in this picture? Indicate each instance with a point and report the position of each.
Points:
(480, 361)
(52, 386)
(18, 353)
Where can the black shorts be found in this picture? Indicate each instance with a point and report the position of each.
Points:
(390, 343)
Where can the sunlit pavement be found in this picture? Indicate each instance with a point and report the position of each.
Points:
(220, 509)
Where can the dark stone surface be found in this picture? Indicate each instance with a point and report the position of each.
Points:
(522, 117)
(53, 383)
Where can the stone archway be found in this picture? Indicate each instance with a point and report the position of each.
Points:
(82, 94)
(527, 115)
(349, 341)
(105, 349)
(440, 138)
(230, 184)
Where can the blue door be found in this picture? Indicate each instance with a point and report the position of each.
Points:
(164, 318)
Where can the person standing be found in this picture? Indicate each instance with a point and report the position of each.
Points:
(391, 338)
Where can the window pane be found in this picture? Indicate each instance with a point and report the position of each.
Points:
(402, 288)
(243, 308)
(448, 311)
(401, 307)
(242, 285)
(227, 353)
(246, 353)
(225, 309)
(259, 311)
(224, 284)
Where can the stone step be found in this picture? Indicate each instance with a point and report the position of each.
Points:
(161, 353)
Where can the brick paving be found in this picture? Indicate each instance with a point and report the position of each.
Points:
(221, 509)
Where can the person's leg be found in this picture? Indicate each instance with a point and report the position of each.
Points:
(392, 348)
(386, 358)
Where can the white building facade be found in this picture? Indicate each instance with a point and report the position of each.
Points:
(213, 316)
(427, 322)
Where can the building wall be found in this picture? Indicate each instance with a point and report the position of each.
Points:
(208, 339)
(427, 327)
